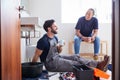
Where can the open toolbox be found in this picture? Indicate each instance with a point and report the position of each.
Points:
(81, 72)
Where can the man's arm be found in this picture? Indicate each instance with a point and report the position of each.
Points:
(95, 32)
(78, 33)
(37, 54)
(81, 36)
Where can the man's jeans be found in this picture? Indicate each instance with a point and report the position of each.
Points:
(78, 40)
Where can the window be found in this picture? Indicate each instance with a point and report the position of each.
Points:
(73, 9)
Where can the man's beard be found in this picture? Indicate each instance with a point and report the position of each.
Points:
(53, 31)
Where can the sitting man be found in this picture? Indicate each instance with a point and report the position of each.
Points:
(86, 30)
(48, 51)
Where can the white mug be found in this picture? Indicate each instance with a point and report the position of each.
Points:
(62, 42)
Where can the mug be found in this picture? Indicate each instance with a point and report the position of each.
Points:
(61, 42)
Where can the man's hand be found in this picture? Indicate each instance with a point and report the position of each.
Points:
(92, 39)
(84, 39)
(36, 55)
(88, 39)
(59, 48)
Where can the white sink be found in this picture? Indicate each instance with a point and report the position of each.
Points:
(30, 21)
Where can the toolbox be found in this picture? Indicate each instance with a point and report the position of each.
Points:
(83, 72)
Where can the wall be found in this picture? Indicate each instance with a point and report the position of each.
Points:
(51, 9)
(23, 50)
(25, 3)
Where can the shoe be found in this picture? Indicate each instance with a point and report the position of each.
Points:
(105, 57)
(103, 64)
(95, 57)
(106, 67)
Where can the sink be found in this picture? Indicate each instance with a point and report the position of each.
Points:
(30, 21)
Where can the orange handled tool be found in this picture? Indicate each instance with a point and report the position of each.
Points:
(100, 73)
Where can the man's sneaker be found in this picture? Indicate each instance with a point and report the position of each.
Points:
(95, 57)
(103, 64)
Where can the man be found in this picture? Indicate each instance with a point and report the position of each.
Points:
(48, 50)
(86, 30)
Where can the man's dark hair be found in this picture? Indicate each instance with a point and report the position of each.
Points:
(48, 23)
(92, 10)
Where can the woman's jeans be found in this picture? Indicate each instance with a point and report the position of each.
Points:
(78, 40)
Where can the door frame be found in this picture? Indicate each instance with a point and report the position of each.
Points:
(115, 40)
